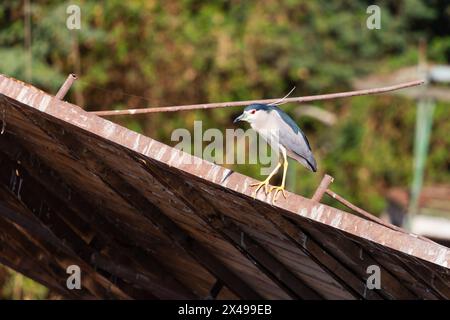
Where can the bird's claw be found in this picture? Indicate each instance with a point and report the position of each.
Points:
(277, 192)
(268, 190)
(259, 185)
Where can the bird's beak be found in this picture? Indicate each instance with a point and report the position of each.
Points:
(240, 118)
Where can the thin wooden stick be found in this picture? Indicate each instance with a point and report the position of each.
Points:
(266, 101)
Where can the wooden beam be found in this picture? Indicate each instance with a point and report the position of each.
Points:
(251, 249)
(53, 219)
(141, 280)
(64, 231)
(427, 278)
(18, 246)
(346, 251)
(419, 279)
(14, 255)
(63, 255)
(345, 276)
(144, 207)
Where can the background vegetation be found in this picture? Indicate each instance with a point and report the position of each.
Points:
(190, 51)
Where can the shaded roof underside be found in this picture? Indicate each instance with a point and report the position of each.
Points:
(141, 223)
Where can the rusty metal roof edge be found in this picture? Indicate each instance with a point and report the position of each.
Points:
(294, 204)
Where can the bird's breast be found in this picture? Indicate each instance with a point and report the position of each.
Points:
(269, 134)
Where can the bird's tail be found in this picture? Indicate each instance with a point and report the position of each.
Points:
(311, 163)
(307, 161)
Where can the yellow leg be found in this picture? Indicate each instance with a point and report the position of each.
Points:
(265, 183)
(283, 182)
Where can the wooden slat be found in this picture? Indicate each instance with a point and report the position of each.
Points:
(357, 259)
(319, 254)
(219, 222)
(131, 195)
(97, 285)
(14, 256)
(419, 279)
(147, 236)
(158, 274)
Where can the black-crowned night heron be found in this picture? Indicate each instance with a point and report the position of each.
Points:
(284, 136)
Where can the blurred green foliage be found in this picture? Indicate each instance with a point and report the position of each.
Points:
(191, 51)
(15, 286)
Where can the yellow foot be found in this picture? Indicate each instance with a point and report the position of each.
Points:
(259, 185)
(277, 192)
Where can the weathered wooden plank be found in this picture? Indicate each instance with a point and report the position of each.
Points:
(319, 254)
(147, 236)
(419, 279)
(64, 256)
(27, 263)
(25, 248)
(71, 237)
(131, 195)
(357, 259)
(160, 250)
(219, 222)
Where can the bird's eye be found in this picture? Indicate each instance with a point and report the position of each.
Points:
(253, 111)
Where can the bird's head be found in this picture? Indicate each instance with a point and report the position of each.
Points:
(253, 112)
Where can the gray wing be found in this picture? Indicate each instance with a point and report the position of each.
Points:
(295, 141)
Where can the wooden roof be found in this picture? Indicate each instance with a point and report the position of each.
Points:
(141, 223)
